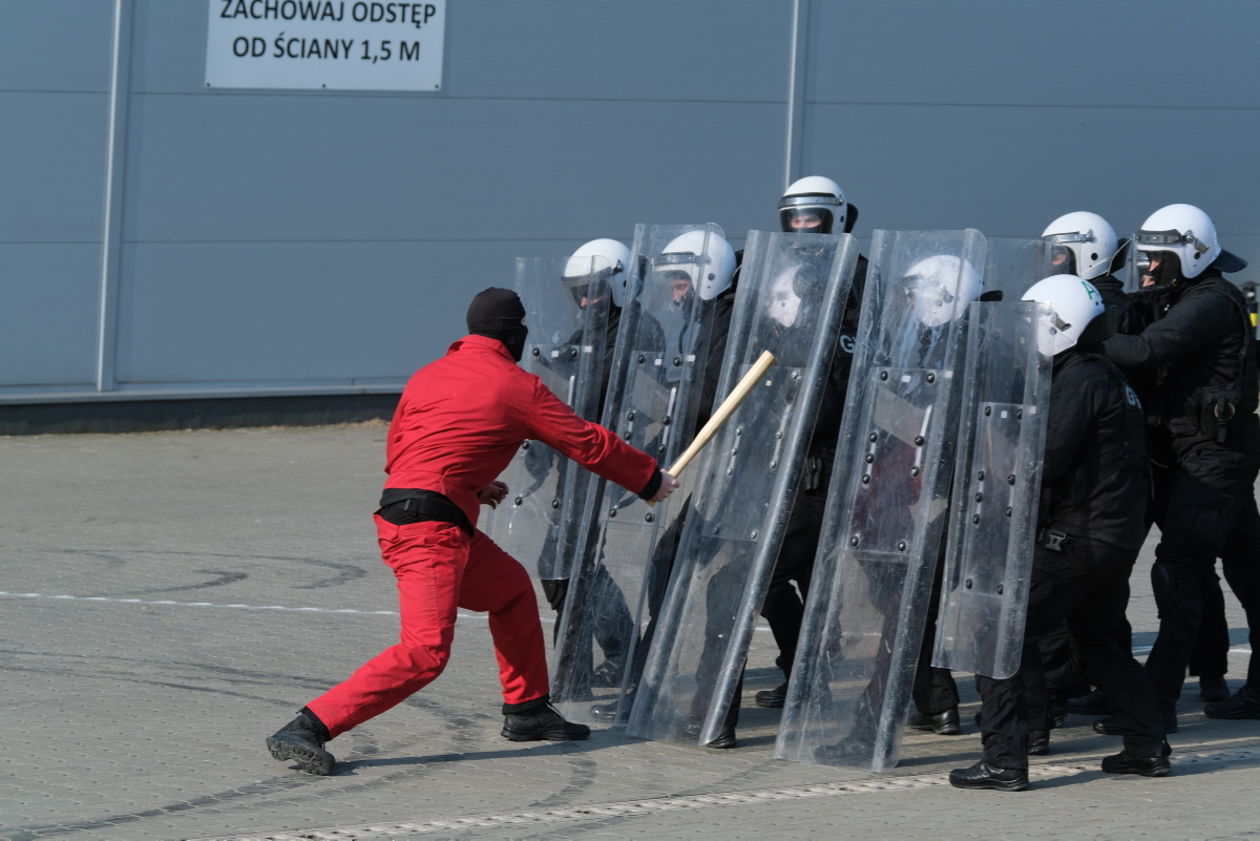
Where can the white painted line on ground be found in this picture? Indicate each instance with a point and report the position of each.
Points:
(546, 620)
(380, 831)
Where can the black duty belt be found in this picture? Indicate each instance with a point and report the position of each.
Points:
(402, 506)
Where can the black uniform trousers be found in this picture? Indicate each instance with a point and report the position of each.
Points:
(934, 689)
(1086, 585)
(1210, 513)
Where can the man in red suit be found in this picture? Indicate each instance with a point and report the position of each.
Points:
(458, 424)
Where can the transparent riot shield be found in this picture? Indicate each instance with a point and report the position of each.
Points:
(626, 548)
(791, 292)
(1012, 264)
(567, 320)
(850, 686)
(997, 484)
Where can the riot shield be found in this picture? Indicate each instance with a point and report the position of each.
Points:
(997, 484)
(850, 686)
(567, 320)
(1012, 264)
(626, 549)
(791, 293)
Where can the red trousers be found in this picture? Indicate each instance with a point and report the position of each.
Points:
(439, 568)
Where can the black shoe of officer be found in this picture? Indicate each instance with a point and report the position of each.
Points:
(1038, 742)
(1148, 766)
(942, 723)
(1109, 726)
(984, 775)
(772, 699)
(536, 721)
(689, 731)
(1095, 703)
(1058, 720)
(302, 741)
(1213, 690)
(1245, 703)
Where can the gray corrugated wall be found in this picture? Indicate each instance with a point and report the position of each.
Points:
(309, 242)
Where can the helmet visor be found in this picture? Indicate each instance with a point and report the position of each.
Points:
(1159, 240)
(806, 220)
(1062, 259)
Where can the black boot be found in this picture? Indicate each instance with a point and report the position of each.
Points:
(1038, 742)
(984, 775)
(537, 720)
(1213, 689)
(1148, 766)
(1245, 703)
(724, 741)
(302, 741)
(772, 699)
(942, 723)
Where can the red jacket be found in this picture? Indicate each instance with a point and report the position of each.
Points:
(463, 417)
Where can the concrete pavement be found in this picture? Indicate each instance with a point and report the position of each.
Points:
(169, 599)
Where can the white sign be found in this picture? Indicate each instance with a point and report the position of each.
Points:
(325, 44)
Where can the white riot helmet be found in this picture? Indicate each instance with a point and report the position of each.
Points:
(705, 257)
(1087, 239)
(814, 197)
(941, 288)
(1074, 303)
(1182, 230)
(608, 259)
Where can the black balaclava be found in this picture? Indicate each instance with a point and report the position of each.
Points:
(499, 314)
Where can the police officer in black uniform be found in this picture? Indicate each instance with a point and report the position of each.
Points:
(1202, 349)
(1094, 491)
(813, 204)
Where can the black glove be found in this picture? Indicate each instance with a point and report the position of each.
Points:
(555, 590)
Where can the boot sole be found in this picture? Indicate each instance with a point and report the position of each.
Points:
(1153, 772)
(1241, 715)
(545, 736)
(994, 785)
(307, 760)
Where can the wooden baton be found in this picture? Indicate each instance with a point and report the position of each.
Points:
(720, 415)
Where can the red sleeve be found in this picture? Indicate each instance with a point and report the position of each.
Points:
(589, 444)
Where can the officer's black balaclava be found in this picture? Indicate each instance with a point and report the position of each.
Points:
(499, 314)
(1169, 271)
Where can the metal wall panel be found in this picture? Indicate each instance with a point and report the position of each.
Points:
(48, 314)
(292, 241)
